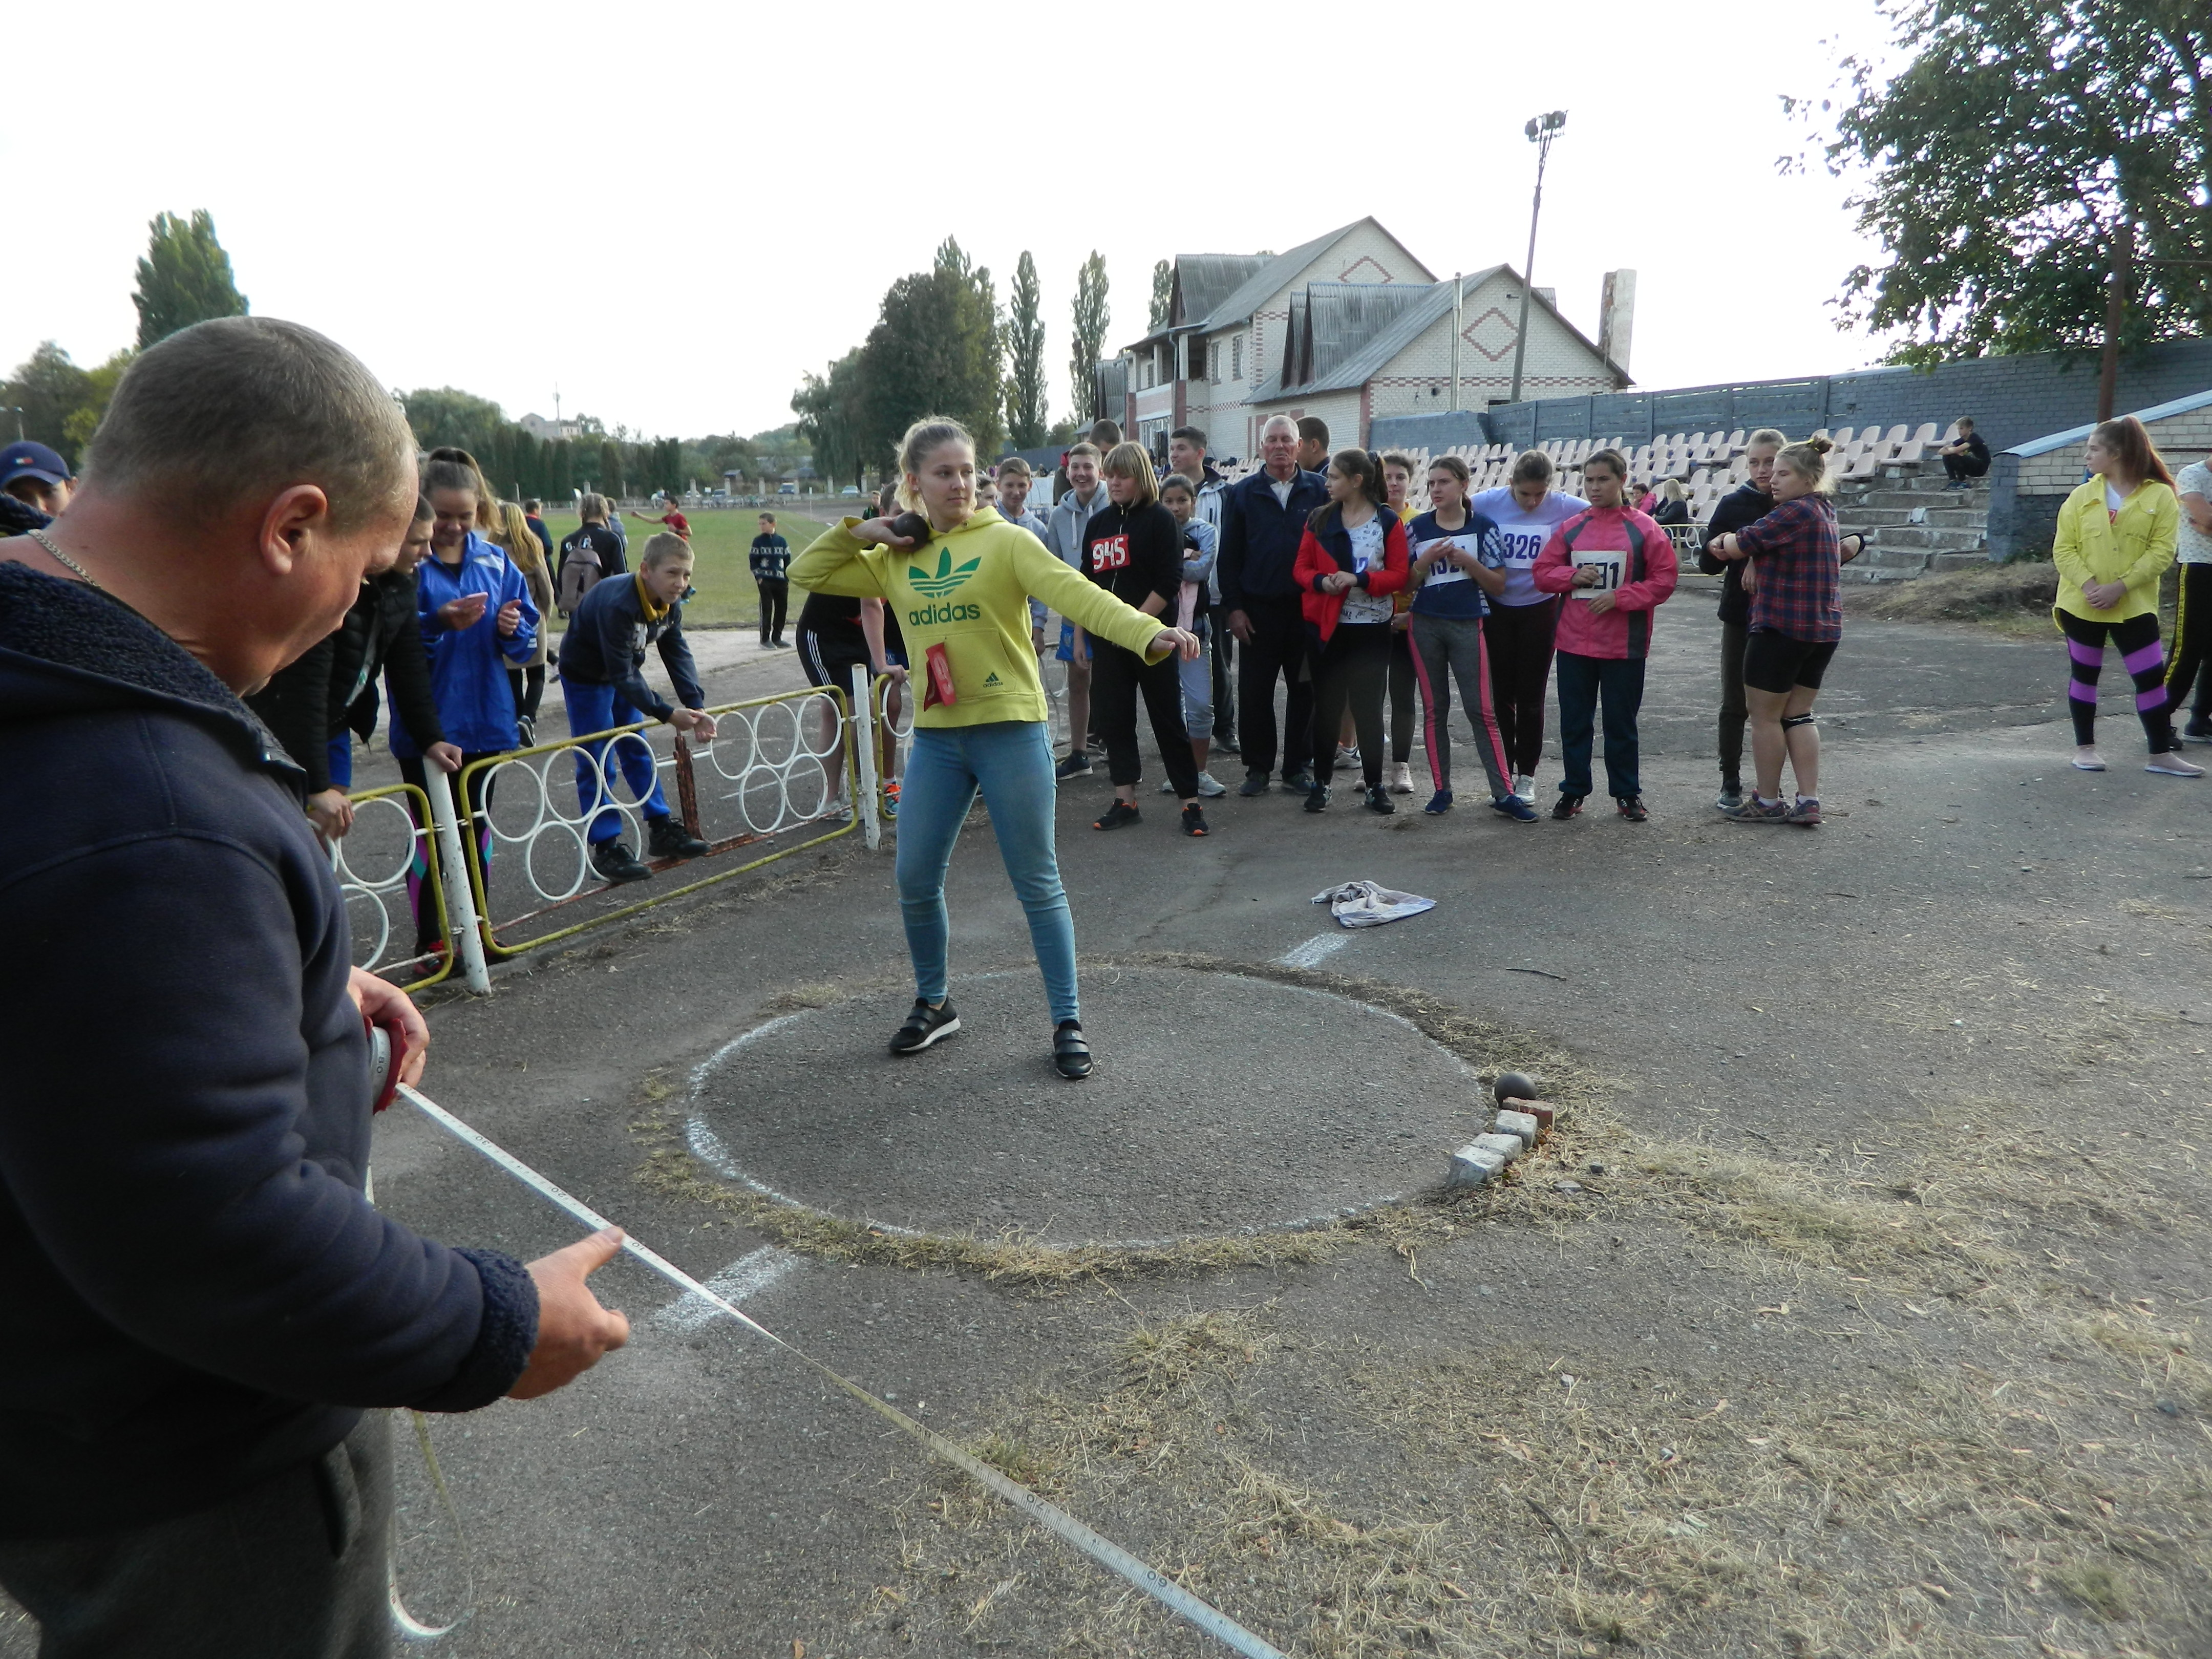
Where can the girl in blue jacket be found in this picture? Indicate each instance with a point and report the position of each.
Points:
(476, 616)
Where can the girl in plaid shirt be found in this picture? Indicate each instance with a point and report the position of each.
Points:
(1796, 622)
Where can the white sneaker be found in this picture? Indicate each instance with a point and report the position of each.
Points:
(1166, 788)
(1401, 777)
(1525, 787)
(2171, 765)
(1209, 787)
(1347, 757)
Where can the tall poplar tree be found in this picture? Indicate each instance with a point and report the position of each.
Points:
(185, 278)
(1090, 319)
(1025, 387)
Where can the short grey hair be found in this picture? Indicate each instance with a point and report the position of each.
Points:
(244, 407)
(1274, 421)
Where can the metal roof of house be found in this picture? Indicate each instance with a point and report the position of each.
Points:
(1254, 277)
(2080, 434)
(1346, 333)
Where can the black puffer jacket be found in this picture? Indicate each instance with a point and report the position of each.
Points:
(333, 686)
(199, 1295)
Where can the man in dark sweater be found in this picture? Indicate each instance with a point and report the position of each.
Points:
(202, 1302)
(1263, 519)
(770, 559)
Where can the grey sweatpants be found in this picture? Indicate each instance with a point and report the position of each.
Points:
(295, 1568)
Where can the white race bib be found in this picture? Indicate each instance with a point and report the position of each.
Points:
(1611, 564)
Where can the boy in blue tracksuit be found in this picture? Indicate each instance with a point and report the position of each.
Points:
(602, 682)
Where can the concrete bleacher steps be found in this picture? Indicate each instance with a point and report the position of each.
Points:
(1919, 527)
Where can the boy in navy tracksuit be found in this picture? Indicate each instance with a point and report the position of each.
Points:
(603, 683)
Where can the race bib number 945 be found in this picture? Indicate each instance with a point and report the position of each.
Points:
(1110, 553)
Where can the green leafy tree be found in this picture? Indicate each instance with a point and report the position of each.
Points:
(49, 388)
(84, 420)
(1162, 295)
(446, 415)
(2026, 148)
(184, 279)
(934, 350)
(1090, 319)
(1025, 340)
(831, 418)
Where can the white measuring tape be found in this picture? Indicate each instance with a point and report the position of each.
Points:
(1058, 1521)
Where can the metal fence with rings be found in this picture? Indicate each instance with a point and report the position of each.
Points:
(373, 863)
(783, 759)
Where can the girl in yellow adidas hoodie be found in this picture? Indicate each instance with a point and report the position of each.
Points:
(962, 600)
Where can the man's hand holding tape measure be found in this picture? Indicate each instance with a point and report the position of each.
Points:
(574, 1333)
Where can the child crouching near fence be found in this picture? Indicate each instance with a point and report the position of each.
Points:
(603, 683)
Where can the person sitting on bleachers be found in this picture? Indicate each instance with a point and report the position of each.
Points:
(1965, 457)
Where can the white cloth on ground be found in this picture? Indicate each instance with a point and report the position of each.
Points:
(1368, 904)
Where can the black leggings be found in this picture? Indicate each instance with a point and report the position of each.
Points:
(2137, 640)
(1353, 669)
(528, 685)
(2188, 663)
(1520, 638)
(1402, 695)
(1116, 678)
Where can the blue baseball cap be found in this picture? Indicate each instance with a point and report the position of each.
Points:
(29, 460)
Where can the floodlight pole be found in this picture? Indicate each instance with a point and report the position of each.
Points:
(1540, 131)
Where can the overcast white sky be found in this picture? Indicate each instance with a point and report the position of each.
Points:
(434, 185)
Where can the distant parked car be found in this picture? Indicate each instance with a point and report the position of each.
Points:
(786, 490)
(850, 490)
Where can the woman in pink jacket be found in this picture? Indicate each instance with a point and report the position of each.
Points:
(1616, 567)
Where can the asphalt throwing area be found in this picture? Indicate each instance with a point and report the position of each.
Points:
(1856, 1308)
(974, 1135)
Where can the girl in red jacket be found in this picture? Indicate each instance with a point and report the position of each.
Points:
(1616, 567)
(1351, 560)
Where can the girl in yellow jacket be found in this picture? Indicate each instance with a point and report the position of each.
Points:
(960, 594)
(2115, 536)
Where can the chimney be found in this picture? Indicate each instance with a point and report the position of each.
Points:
(1616, 327)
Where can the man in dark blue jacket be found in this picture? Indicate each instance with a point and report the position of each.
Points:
(1263, 519)
(201, 1301)
(602, 682)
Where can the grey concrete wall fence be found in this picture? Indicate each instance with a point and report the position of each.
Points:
(2013, 400)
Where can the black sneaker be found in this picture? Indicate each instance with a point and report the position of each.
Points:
(1225, 745)
(1631, 808)
(924, 1026)
(1119, 813)
(615, 862)
(1193, 820)
(1730, 797)
(1375, 799)
(2198, 731)
(1567, 806)
(526, 728)
(1071, 1055)
(665, 838)
(1298, 782)
(1075, 766)
(1255, 783)
(1317, 798)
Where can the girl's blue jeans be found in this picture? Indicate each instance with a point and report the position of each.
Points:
(1011, 762)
